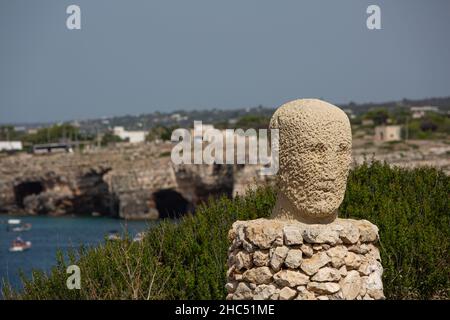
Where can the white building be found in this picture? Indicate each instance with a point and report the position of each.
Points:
(419, 112)
(387, 133)
(10, 145)
(367, 122)
(131, 136)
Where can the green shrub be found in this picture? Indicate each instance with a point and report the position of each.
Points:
(187, 259)
(411, 209)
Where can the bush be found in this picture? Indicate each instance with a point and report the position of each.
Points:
(411, 209)
(187, 259)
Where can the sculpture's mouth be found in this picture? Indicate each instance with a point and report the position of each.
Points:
(326, 186)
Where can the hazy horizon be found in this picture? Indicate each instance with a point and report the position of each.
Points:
(193, 109)
(138, 57)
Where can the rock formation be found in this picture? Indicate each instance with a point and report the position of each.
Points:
(305, 251)
(128, 181)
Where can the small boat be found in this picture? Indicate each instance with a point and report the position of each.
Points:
(20, 245)
(22, 227)
(13, 223)
(114, 235)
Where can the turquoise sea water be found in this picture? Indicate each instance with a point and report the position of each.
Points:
(48, 234)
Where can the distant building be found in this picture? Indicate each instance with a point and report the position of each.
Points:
(387, 133)
(52, 148)
(32, 130)
(11, 145)
(178, 117)
(367, 122)
(132, 136)
(20, 129)
(419, 112)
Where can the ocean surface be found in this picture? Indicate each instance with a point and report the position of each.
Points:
(48, 234)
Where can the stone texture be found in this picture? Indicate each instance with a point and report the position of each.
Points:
(337, 255)
(315, 271)
(261, 258)
(307, 250)
(260, 275)
(264, 292)
(375, 285)
(243, 292)
(263, 234)
(320, 234)
(290, 278)
(311, 189)
(231, 286)
(352, 260)
(326, 274)
(277, 257)
(343, 271)
(311, 265)
(350, 234)
(293, 258)
(336, 296)
(304, 294)
(368, 231)
(323, 287)
(351, 285)
(292, 235)
(287, 293)
(243, 260)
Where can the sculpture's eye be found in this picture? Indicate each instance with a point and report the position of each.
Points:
(319, 146)
(343, 147)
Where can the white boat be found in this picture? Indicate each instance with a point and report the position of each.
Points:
(114, 235)
(139, 237)
(22, 227)
(20, 245)
(13, 223)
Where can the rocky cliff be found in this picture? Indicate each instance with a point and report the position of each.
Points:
(127, 181)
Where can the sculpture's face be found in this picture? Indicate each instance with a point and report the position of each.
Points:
(314, 156)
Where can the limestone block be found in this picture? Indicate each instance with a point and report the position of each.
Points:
(261, 258)
(351, 285)
(326, 274)
(290, 278)
(277, 257)
(243, 292)
(287, 293)
(264, 292)
(323, 287)
(312, 265)
(260, 275)
(292, 235)
(293, 258)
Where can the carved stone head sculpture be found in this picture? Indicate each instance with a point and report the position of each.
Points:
(314, 160)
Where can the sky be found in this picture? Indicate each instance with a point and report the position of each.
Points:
(134, 57)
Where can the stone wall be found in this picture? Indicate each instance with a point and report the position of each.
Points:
(285, 260)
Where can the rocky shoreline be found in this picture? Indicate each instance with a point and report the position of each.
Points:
(127, 181)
